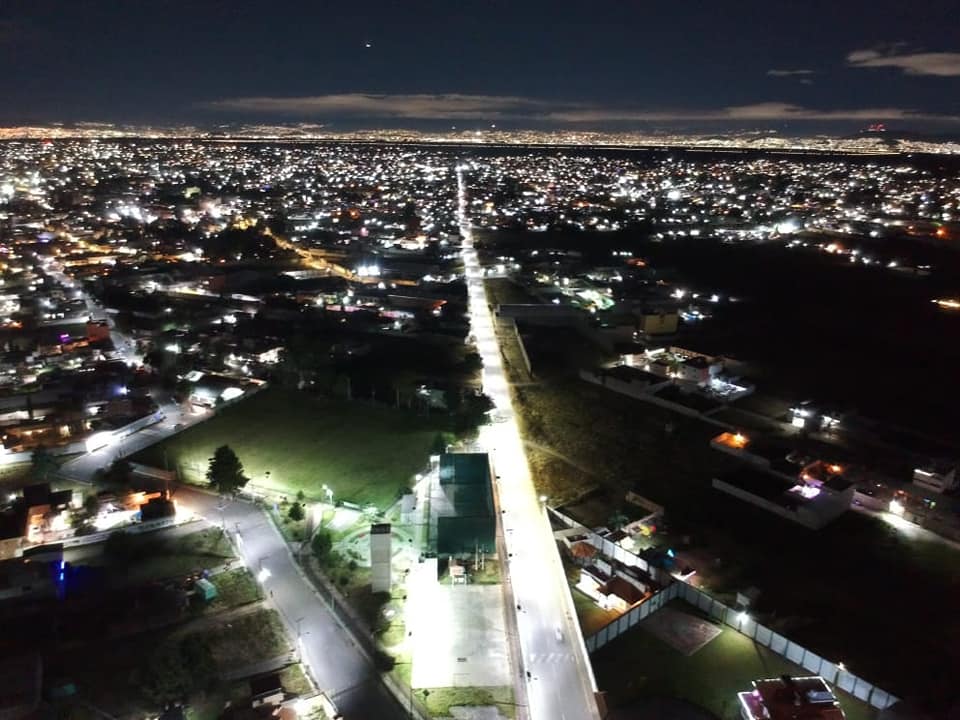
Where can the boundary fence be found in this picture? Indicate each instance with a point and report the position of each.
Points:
(740, 621)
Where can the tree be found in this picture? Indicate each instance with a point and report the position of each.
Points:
(322, 545)
(119, 472)
(225, 472)
(43, 463)
(296, 512)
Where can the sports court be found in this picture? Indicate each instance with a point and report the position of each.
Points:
(682, 631)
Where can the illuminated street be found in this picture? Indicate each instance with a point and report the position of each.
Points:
(560, 683)
(337, 665)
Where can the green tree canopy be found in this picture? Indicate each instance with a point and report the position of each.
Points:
(43, 463)
(322, 545)
(225, 472)
(119, 473)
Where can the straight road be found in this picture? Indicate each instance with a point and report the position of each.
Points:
(560, 683)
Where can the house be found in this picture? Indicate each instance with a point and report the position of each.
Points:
(12, 539)
(36, 512)
(810, 504)
(790, 698)
(626, 380)
(621, 592)
(938, 477)
(659, 322)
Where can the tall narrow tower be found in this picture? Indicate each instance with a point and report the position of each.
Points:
(380, 554)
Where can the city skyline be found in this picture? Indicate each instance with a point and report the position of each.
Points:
(747, 65)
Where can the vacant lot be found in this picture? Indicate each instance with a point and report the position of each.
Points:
(637, 664)
(163, 555)
(290, 441)
(247, 639)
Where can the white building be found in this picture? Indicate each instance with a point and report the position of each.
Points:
(936, 477)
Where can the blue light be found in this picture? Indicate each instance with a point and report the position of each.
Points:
(671, 553)
(61, 577)
(63, 565)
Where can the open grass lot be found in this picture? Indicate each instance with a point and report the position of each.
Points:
(637, 664)
(155, 556)
(439, 700)
(627, 445)
(831, 590)
(365, 453)
(502, 291)
(234, 588)
(556, 478)
(247, 639)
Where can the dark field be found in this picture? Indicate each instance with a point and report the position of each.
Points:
(865, 338)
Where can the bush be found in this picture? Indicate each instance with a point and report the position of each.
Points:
(296, 512)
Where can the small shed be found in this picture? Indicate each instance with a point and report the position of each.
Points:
(206, 589)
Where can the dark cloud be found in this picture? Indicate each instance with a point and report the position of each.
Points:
(479, 107)
(942, 64)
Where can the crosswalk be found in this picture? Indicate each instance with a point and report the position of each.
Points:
(553, 657)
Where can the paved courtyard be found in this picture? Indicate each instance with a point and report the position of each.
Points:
(458, 636)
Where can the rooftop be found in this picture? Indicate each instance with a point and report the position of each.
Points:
(791, 698)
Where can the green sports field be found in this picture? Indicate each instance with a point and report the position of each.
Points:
(290, 441)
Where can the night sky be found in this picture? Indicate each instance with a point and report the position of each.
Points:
(619, 64)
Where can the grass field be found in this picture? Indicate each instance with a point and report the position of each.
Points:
(638, 664)
(234, 588)
(247, 639)
(440, 700)
(365, 453)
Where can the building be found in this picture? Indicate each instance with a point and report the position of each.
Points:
(936, 477)
(381, 553)
(810, 504)
(626, 380)
(790, 698)
(468, 522)
(97, 331)
(658, 323)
